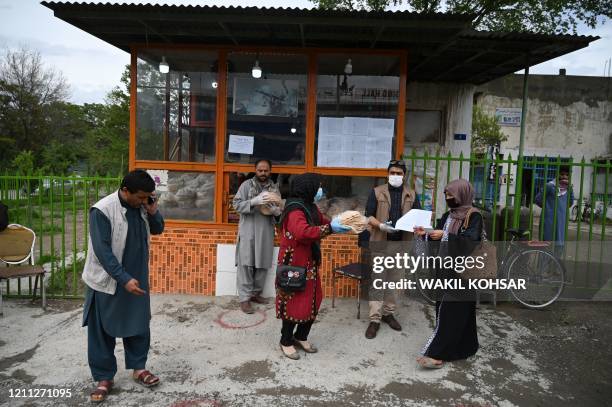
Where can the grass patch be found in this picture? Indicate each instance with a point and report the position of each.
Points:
(62, 280)
(46, 258)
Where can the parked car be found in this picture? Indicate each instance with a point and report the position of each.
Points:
(56, 184)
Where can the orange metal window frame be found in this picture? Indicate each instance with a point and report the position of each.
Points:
(220, 168)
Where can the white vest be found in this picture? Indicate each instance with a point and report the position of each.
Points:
(94, 274)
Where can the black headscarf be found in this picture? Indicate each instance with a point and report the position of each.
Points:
(304, 187)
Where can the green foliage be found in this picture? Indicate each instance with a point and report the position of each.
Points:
(485, 131)
(41, 131)
(23, 163)
(30, 93)
(57, 158)
(547, 17)
(106, 143)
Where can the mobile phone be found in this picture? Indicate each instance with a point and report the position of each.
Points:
(151, 200)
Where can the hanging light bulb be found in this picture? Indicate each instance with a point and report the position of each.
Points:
(214, 84)
(256, 71)
(348, 68)
(163, 66)
(293, 130)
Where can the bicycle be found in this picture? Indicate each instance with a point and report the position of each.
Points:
(597, 211)
(530, 260)
(533, 261)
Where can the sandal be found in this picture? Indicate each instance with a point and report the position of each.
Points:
(291, 355)
(146, 379)
(102, 390)
(429, 363)
(305, 346)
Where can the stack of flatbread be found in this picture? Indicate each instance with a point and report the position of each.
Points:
(354, 220)
(276, 200)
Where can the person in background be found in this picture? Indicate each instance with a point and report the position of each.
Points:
(455, 336)
(386, 204)
(116, 272)
(255, 247)
(302, 228)
(4, 217)
(558, 199)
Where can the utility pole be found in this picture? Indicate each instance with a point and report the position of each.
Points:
(519, 170)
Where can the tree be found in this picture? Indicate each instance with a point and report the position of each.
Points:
(107, 140)
(486, 132)
(23, 163)
(541, 16)
(29, 93)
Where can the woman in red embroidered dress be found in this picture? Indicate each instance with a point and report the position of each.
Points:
(302, 227)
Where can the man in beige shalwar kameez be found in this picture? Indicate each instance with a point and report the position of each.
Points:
(255, 248)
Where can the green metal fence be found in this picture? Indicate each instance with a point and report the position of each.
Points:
(56, 209)
(496, 191)
(507, 202)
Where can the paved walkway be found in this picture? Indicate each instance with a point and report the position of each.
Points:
(205, 358)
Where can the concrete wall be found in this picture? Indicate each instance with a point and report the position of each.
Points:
(455, 101)
(568, 116)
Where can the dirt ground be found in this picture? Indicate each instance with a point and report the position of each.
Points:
(573, 344)
(209, 354)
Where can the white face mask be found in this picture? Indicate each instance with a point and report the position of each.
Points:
(396, 180)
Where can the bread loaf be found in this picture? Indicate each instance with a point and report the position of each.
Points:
(354, 220)
(276, 201)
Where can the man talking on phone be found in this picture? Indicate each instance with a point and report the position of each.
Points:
(116, 272)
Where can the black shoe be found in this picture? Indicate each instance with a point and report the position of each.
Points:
(245, 306)
(372, 329)
(258, 299)
(392, 322)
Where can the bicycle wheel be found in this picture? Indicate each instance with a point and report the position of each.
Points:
(544, 277)
(420, 275)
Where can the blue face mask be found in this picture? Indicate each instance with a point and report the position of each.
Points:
(319, 195)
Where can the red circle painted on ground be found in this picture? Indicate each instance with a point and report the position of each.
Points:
(226, 325)
(196, 403)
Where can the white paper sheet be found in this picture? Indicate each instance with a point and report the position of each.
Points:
(355, 142)
(414, 217)
(381, 128)
(329, 144)
(241, 144)
(331, 126)
(325, 159)
(356, 126)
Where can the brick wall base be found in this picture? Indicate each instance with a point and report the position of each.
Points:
(184, 261)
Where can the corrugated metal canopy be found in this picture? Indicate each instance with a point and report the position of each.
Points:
(441, 47)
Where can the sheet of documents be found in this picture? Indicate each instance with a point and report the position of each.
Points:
(241, 144)
(414, 217)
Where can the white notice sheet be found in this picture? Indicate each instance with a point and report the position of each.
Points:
(414, 217)
(241, 144)
(331, 126)
(355, 142)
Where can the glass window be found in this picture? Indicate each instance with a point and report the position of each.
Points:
(266, 116)
(185, 195)
(357, 100)
(344, 193)
(176, 111)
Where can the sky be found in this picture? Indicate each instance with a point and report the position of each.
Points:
(93, 67)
